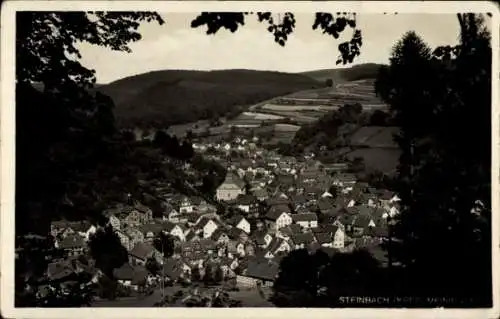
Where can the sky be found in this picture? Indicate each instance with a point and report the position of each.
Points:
(175, 45)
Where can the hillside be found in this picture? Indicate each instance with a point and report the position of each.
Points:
(353, 73)
(178, 96)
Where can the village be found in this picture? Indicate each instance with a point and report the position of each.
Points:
(277, 204)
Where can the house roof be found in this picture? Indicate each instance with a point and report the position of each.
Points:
(232, 178)
(141, 250)
(260, 193)
(125, 272)
(305, 217)
(72, 241)
(235, 233)
(323, 238)
(154, 228)
(203, 221)
(274, 212)
(234, 220)
(80, 226)
(207, 244)
(172, 268)
(191, 235)
(274, 201)
(246, 199)
(304, 238)
(218, 233)
(59, 270)
(264, 270)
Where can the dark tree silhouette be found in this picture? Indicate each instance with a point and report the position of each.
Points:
(153, 266)
(164, 243)
(444, 171)
(107, 251)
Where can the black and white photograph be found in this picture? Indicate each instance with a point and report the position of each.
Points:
(258, 155)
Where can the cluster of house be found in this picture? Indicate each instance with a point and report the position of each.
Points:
(280, 204)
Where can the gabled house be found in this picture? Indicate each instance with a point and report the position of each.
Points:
(258, 272)
(306, 220)
(175, 230)
(240, 222)
(339, 238)
(74, 244)
(207, 225)
(277, 218)
(231, 188)
(220, 236)
(261, 238)
(279, 245)
(171, 214)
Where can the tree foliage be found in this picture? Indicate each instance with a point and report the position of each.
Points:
(164, 243)
(444, 111)
(281, 26)
(107, 251)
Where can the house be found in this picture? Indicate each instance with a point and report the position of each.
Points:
(175, 230)
(74, 244)
(261, 238)
(324, 239)
(114, 221)
(235, 247)
(306, 220)
(246, 202)
(131, 276)
(150, 230)
(186, 206)
(207, 225)
(260, 193)
(57, 227)
(344, 180)
(237, 234)
(124, 239)
(240, 222)
(339, 238)
(299, 241)
(174, 269)
(147, 213)
(192, 236)
(220, 236)
(278, 218)
(258, 272)
(142, 252)
(231, 188)
(278, 245)
(135, 235)
(170, 214)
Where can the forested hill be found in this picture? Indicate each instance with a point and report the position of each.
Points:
(353, 73)
(177, 96)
